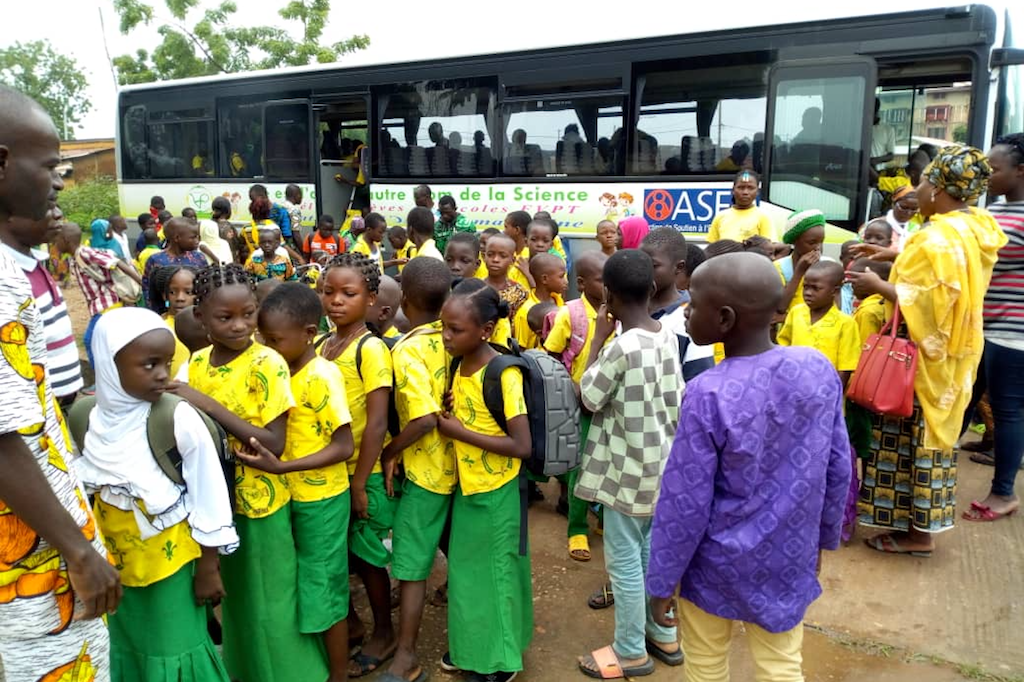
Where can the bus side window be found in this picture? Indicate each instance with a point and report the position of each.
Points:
(241, 140)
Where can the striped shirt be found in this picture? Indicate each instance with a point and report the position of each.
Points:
(99, 295)
(1004, 301)
(61, 351)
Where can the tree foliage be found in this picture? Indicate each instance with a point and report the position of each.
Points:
(50, 78)
(87, 201)
(200, 41)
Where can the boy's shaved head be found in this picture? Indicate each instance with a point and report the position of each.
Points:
(590, 263)
(830, 269)
(545, 264)
(389, 292)
(746, 282)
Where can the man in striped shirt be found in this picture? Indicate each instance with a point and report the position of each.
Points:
(18, 237)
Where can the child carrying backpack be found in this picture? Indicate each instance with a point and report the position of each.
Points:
(164, 515)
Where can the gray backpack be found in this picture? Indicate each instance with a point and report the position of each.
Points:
(551, 406)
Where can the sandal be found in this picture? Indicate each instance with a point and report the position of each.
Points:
(367, 664)
(983, 513)
(602, 597)
(608, 667)
(977, 446)
(440, 596)
(986, 458)
(579, 548)
(672, 658)
(888, 545)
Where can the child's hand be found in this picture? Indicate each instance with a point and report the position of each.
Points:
(605, 325)
(186, 392)
(258, 457)
(449, 402)
(805, 262)
(389, 462)
(401, 261)
(448, 425)
(360, 502)
(523, 263)
(663, 611)
(207, 584)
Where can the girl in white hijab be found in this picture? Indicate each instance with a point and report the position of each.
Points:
(164, 537)
(217, 246)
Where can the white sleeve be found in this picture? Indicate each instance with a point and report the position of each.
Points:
(209, 507)
(182, 375)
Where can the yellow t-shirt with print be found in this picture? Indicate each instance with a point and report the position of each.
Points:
(835, 335)
(361, 246)
(561, 333)
(517, 275)
(502, 332)
(255, 386)
(181, 354)
(740, 224)
(375, 373)
(481, 471)
(144, 562)
(521, 327)
(421, 379)
(870, 316)
(320, 410)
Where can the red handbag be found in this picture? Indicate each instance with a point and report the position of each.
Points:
(884, 380)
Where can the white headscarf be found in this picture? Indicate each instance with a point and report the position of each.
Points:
(209, 234)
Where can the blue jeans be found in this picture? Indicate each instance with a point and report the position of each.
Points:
(1004, 375)
(87, 338)
(627, 551)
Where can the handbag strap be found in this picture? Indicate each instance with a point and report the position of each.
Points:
(893, 325)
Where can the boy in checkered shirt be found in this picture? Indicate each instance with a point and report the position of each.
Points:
(632, 384)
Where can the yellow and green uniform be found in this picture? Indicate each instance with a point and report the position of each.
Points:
(521, 327)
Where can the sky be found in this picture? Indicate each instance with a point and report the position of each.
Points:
(412, 30)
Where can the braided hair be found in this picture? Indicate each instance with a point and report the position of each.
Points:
(217, 276)
(362, 264)
(160, 282)
(483, 299)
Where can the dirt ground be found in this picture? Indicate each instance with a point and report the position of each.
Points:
(956, 616)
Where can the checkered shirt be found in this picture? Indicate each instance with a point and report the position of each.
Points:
(634, 390)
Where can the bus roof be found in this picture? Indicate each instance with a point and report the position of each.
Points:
(990, 15)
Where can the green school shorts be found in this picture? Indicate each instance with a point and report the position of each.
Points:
(321, 547)
(419, 523)
(366, 536)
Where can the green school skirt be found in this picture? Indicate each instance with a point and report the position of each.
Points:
(419, 524)
(321, 544)
(490, 595)
(366, 536)
(159, 635)
(262, 642)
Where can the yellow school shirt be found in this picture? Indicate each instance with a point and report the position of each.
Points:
(255, 386)
(556, 244)
(481, 271)
(144, 256)
(320, 409)
(364, 248)
(144, 562)
(521, 328)
(421, 379)
(502, 332)
(835, 335)
(392, 333)
(517, 275)
(481, 471)
(376, 373)
(740, 224)
(407, 251)
(561, 332)
(870, 316)
(181, 354)
(429, 250)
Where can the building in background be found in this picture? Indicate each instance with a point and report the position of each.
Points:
(85, 160)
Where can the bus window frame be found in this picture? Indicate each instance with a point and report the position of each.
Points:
(310, 138)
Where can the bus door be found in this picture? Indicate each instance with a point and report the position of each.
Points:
(342, 155)
(818, 136)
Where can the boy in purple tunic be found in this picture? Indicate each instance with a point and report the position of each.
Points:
(755, 484)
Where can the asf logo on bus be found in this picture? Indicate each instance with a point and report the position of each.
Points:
(687, 210)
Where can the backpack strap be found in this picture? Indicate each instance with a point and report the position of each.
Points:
(78, 419)
(321, 341)
(359, 352)
(160, 434)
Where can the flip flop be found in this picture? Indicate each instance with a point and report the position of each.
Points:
(673, 658)
(579, 548)
(878, 543)
(447, 665)
(609, 668)
(983, 513)
(986, 458)
(601, 598)
(977, 446)
(391, 677)
(367, 664)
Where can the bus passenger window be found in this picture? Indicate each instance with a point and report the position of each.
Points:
(241, 140)
(437, 129)
(167, 143)
(704, 117)
(287, 141)
(587, 132)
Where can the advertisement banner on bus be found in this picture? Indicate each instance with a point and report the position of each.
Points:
(688, 207)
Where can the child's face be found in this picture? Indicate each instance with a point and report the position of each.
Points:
(540, 239)
(744, 192)
(461, 259)
(187, 237)
(664, 269)
(811, 240)
(119, 225)
(511, 230)
(878, 235)
(144, 365)
(326, 229)
(555, 281)
(607, 235)
(280, 332)
(189, 214)
(461, 334)
(269, 241)
(229, 315)
(179, 292)
(819, 291)
(345, 296)
(591, 283)
(906, 208)
(498, 257)
(375, 234)
(397, 241)
(484, 238)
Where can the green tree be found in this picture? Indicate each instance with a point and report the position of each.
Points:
(200, 41)
(960, 134)
(50, 78)
(87, 201)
